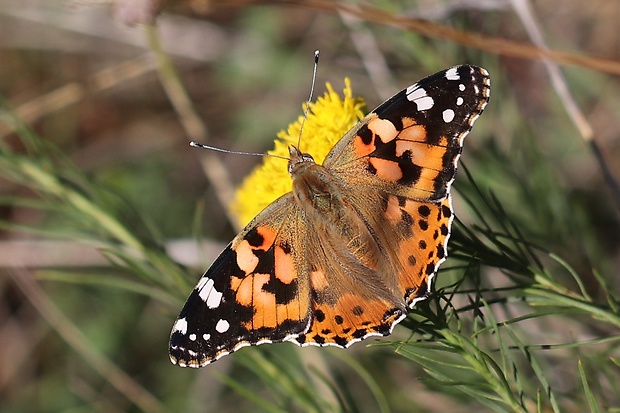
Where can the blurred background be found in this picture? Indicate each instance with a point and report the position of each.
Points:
(108, 217)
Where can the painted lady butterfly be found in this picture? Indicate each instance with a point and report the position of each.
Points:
(357, 241)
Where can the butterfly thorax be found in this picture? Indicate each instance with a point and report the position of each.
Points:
(334, 217)
(315, 188)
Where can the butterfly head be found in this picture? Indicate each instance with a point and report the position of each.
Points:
(298, 160)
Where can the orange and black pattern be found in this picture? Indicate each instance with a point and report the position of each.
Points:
(357, 241)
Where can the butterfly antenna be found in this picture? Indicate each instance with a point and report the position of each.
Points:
(213, 148)
(307, 109)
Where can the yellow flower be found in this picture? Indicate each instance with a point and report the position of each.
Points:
(329, 118)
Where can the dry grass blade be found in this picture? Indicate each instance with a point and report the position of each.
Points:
(368, 49)
(63, 326)
(492, 45)
(525, 14)
(74, 92)
(196, 130)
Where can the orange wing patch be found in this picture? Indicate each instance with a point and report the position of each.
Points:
(270, 288)
(246, 248)
(386, 169)
(350, 319)
(423, 229)
(401, 151)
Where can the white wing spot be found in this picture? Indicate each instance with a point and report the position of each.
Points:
(425, 103)
(459, 101)
(180, 326)
(448, 115)
(214, 299)
(222, 326)
(461, 87)
(206, 337)
(208, 294)
(203, 281)
(452, 74)
(192, 337)
(419, 97)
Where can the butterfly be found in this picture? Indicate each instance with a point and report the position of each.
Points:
(356, 242)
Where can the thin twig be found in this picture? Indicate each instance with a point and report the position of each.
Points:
(524, 12)
(494, 45)
(368, 49)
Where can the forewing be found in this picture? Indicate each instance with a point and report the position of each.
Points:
(252, 294)
(410, 145)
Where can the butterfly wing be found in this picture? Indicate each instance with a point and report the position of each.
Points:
(410, 145)
(283, 279)
(253, 293)
(396, 167)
